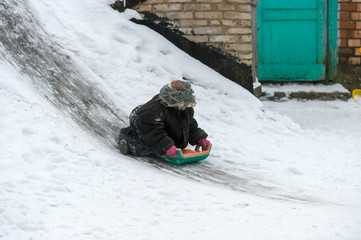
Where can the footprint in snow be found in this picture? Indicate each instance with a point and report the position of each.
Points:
(27, 132)
(295, 171)
(55, 140)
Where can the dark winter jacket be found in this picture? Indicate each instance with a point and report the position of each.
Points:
(161, 127)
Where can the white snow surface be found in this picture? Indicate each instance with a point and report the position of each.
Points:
(301, 159)
(294, 87)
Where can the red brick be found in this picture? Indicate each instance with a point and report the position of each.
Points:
(354, 60)
(358, 25)
(357, 51)
(348, 6)
(343, 43)
(346, 51)
(356, 34)
(359, 7)
(343, 34)
(344, 15)
(343, 59)
(354, 43)
(347, 25)
(356, 16)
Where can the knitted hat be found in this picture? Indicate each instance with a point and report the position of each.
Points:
(178, 94)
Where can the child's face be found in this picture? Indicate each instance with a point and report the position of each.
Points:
(182, 106)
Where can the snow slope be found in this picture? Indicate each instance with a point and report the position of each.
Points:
(60, 181)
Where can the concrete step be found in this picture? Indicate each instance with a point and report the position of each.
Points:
(304, 91)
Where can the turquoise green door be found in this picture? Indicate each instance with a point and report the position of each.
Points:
(291, 40)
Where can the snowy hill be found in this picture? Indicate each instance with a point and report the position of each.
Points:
(71, 72)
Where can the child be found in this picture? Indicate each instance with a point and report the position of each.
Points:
(164, 123)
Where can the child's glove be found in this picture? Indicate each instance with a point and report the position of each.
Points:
(172, 151)
(203, 142)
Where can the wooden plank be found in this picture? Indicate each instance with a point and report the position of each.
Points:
(332, 39)
(321, 35)
(291, 72)
(289, 14)
(289, 4)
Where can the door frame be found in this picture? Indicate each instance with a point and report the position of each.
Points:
(332, 32)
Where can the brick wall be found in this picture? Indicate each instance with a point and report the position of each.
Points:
(350, 32)
(222, 24)
(349, 44)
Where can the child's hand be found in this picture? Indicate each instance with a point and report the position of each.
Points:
(204, 142)
(172, 151)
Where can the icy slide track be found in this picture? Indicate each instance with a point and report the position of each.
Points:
(24, 44)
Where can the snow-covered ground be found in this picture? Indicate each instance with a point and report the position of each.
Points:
(293, 87)
(299, 162)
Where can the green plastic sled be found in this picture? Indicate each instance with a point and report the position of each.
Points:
(188, 155)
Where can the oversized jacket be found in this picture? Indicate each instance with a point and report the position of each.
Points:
(159, 127)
